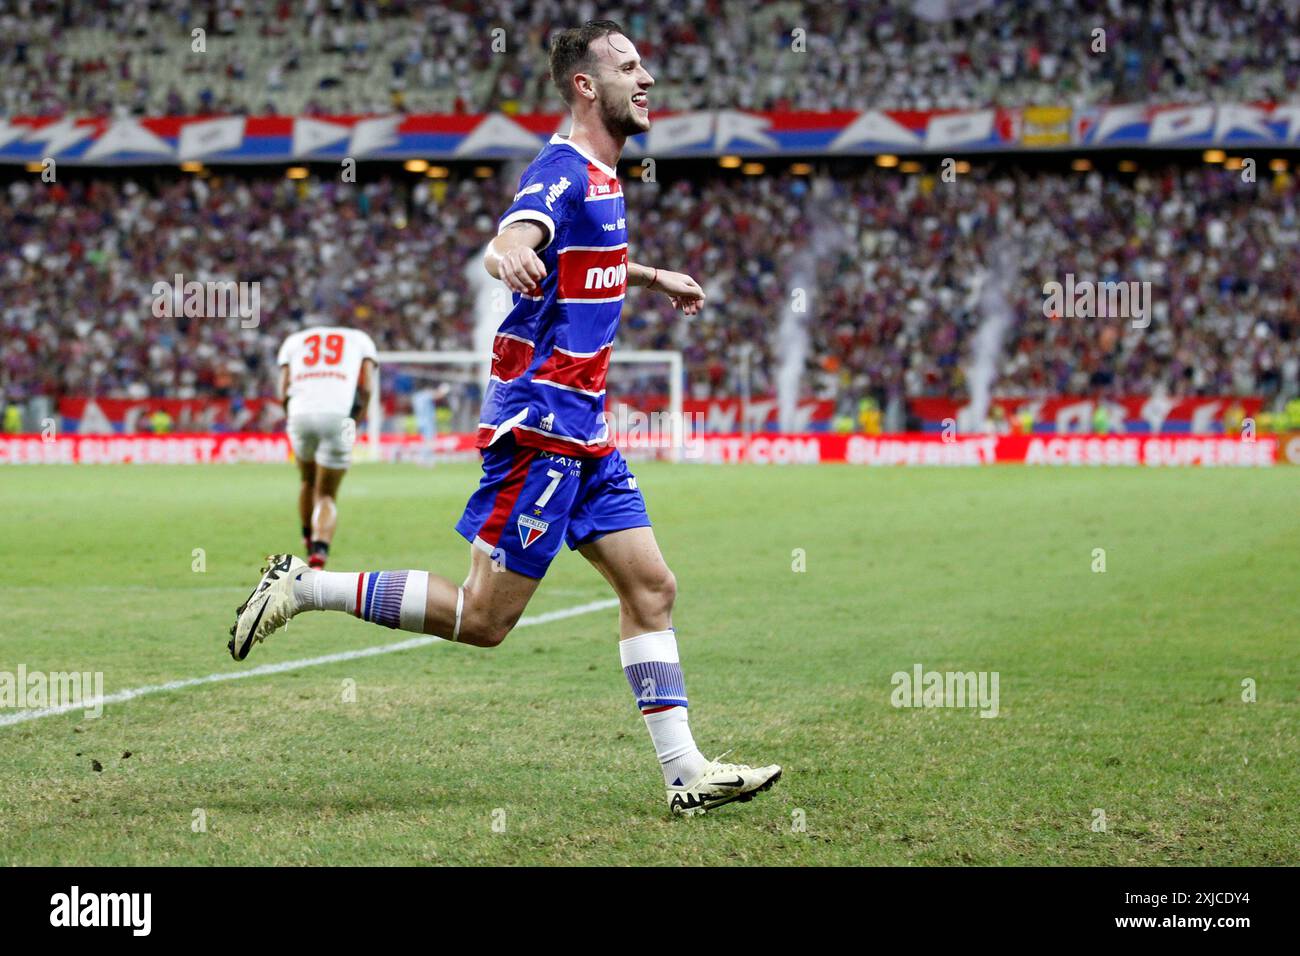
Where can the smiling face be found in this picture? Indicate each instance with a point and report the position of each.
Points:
(620, 84)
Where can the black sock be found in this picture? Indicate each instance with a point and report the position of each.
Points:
(321, 548)
(306, 532)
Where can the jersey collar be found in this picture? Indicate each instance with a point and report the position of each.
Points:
(558, 140)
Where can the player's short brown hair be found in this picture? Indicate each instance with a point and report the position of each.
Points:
(571, 53)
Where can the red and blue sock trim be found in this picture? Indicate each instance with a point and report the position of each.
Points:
(379, 597)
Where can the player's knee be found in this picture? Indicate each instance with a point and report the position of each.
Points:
(668, 589)
(658, 594)
(483, 629)
(484, 634)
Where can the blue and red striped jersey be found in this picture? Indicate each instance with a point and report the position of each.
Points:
(551, 353)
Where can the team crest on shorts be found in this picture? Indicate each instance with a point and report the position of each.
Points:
(530, 529)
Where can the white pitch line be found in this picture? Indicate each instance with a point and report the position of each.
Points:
(119, 588)
(124, 695)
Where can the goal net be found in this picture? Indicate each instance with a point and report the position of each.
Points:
(424, 406)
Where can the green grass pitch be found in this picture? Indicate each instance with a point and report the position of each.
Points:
(1120, 692)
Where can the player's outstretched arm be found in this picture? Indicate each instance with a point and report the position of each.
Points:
(512, 256)
(683, 291)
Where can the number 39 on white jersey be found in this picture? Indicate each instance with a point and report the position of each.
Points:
(324, 365)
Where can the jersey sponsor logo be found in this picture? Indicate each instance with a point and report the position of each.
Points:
(601, 185)
(530, 529)
(595, 274)
(556, 191)
(307, 376)
(564, 461)
(529, 190)
(547, 422)
(610, 277)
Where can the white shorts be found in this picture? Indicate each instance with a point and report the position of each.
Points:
(323, 437)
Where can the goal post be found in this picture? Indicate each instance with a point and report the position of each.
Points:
(642, 385)
(678, 430)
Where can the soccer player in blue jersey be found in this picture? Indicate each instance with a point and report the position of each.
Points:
(550, 471)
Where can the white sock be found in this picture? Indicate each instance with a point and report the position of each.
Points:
(679, 758)
(413, 601)
(326, 591)
(392, 598)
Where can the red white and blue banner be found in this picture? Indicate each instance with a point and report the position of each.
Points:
(274, 139)
(1206, 124)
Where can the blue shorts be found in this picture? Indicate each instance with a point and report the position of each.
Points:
(529, 499)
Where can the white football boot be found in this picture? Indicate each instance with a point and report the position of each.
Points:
(270, 605)
(721, 783)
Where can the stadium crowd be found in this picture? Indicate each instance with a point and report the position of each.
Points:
(886, 309)
(114, 57)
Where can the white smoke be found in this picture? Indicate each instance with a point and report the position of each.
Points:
(792, 341)
(489, 295)
(994, 303)
(492, 300)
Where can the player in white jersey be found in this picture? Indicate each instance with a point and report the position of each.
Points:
(325, 378)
